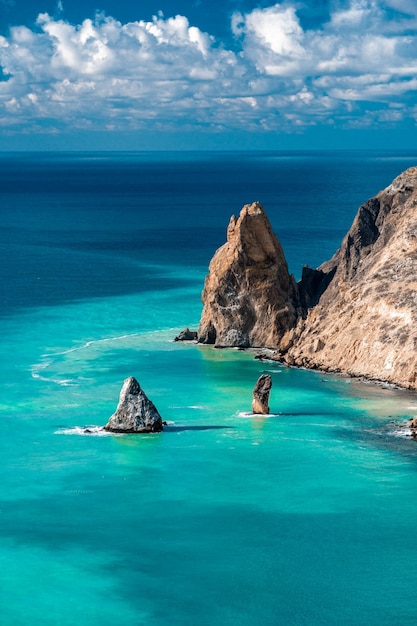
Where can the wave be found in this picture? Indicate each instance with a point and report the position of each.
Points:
(88, 344)
(64, 382)
(199, 407)
(49, 358)
(94, 431)
(401, 431)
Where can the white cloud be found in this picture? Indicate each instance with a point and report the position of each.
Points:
(277, 29)
(359, 14)
(102, 74)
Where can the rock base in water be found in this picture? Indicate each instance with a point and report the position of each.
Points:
(260, 402)
(187, 335)
(135, 413)
(356, 313)
(249, 298)
(412, 425)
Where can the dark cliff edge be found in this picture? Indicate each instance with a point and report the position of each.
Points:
(355, 314)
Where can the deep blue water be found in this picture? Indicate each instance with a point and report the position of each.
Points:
(304, 518)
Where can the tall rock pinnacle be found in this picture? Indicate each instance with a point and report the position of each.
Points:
(249, 297)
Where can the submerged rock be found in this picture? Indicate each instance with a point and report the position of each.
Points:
(249, 298)
(260, 401)
(135, 413)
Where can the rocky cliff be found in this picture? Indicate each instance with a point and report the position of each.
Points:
(364, 322)
(356, 314)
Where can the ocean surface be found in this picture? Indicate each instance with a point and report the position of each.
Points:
(303, 518)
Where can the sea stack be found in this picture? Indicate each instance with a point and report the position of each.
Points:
(260, 401)
(135, 413)
(249, 297)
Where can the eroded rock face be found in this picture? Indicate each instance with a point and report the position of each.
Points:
(249, 297)
(260, 401)
(135, 413)
(365, 319)
(357, 313)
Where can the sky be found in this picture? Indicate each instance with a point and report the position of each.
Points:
(208, 74)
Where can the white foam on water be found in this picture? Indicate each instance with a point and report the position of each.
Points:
(65, 382)
(89, 344)
(48, 360)
(401, 432)
(199, 407)
(255, 415)
(91, 431)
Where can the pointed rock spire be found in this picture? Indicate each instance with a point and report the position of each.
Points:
(135, 413)
(249, 297)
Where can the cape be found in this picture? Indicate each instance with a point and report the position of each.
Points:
(354, 314)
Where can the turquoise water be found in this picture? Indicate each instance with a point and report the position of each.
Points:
(302, 518)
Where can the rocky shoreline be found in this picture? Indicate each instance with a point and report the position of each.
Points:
(356, 314)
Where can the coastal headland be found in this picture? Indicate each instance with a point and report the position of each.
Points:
(355, 314)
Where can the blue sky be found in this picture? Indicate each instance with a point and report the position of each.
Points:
(217, 74)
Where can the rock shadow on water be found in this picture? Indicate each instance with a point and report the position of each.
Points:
(100, 431)
(174, 428)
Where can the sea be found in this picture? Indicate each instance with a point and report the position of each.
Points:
(305, 517)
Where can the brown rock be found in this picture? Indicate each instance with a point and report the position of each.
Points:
(260, 401)
(364, 321)
(356, 313)
(249, 297)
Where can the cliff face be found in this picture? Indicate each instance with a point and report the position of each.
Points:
(249, 298)
(364, 322)
(356, 314)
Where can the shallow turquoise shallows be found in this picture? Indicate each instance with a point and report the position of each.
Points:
(302, 518)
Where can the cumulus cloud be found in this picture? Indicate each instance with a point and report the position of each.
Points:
(360, 67)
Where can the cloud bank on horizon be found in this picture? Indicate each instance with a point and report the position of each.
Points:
(356, 69)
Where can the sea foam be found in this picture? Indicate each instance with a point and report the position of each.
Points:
(94, 431)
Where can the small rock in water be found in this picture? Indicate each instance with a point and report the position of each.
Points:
(260, 402)
(412, 425)
(187, 335)
(135, 413)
